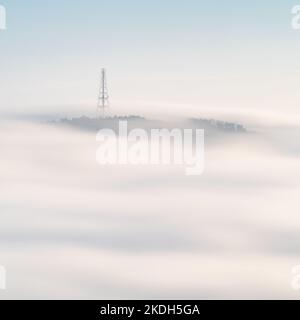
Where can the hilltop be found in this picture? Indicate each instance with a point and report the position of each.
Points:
(95, 124)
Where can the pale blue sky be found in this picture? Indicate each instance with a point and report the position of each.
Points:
(227, 54)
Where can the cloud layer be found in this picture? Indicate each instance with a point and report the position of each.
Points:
(70, 228)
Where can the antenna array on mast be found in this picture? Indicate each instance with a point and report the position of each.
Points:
(103, 98)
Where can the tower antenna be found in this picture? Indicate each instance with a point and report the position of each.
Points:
(103, 98)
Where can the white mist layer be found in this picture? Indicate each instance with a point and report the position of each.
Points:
(70, 228)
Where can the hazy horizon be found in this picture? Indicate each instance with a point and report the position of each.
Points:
(241, 57)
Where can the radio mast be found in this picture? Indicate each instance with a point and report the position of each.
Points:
(103, 98)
